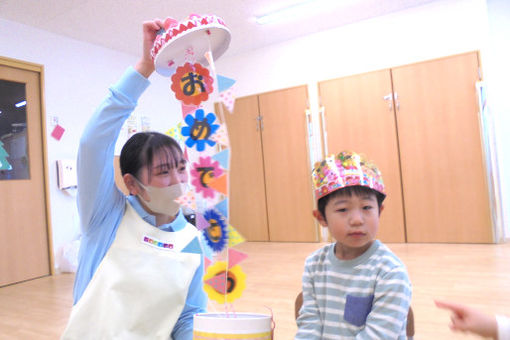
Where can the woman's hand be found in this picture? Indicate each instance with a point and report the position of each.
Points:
(145, 66)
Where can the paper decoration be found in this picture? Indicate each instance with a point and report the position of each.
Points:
(234, 238)
(199, 130)
(219, 184)
(227, 98)
(175, 132)
(231, 290)
(345, 169)
(224, 83)
(216, 234)
(222, 157)
(201, 222)
(193, 247)
(187, 200)
(221, 136)
(208, 252)
(207, 263)
(222, 207)
(219, 283)
(192, 84)
(57, 132)
(203, 172)
(209, 57)
(4, 164)
(235, 257)
(187, 109)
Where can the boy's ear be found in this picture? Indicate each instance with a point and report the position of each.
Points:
(318, 216)
(381, 209)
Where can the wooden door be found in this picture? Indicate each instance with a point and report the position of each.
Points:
(247, 197)
(445, 190)
(358, 118)
(24, 241)
(286, 166)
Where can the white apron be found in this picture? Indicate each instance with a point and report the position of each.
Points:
(139, 289)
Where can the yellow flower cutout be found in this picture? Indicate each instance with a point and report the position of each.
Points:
(218, 283)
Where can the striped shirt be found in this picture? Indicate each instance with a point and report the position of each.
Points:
(364, 298)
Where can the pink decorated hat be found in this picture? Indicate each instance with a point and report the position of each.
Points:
(343, 170)
(194, 35)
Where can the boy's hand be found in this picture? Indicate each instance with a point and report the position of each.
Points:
(145, 65)
(466, 319)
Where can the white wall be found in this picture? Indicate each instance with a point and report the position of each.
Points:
(438, 29)
(434, 30)
(77, 76)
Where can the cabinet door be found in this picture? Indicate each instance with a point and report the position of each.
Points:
(358, 118)
(445, 189)
(247, 197)
(286, 166)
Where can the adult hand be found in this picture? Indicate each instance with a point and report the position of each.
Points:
(467, 319)
(145, 65)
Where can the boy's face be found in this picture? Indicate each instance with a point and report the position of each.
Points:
(353, 221)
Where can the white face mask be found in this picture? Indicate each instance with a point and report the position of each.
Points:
(162, 200)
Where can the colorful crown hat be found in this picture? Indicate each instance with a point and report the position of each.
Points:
(343, 170)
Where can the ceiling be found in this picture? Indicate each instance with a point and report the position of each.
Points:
(116, 24)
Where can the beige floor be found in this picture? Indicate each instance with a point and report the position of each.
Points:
(474, 274)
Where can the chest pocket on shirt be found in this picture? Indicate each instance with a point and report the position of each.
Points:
(357, 309)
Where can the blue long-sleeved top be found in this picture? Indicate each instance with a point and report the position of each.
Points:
(101, 204)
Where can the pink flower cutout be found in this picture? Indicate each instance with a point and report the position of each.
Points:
(203, 173)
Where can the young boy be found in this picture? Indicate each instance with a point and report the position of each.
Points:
(356, 287)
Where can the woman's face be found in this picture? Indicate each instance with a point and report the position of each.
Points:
(163, 171)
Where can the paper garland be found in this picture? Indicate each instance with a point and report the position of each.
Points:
(202, 133)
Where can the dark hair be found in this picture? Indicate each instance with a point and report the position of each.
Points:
(356, 190)
(139, 151)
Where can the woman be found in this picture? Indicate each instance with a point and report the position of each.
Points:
(140, 263)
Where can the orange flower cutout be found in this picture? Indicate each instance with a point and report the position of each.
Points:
(192, 84)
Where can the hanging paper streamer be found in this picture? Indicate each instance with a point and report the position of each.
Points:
(201, 222)
(222, 207)
(221, 136)
(224, 83)
(219, 184)
(175, 132)
(222, 284)
(184, 51)
(234, 238)
(235, 257)
(222, 157)
(193, 247)
(227, 98)
(187, 200)
(207, 263)
(187, 109)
